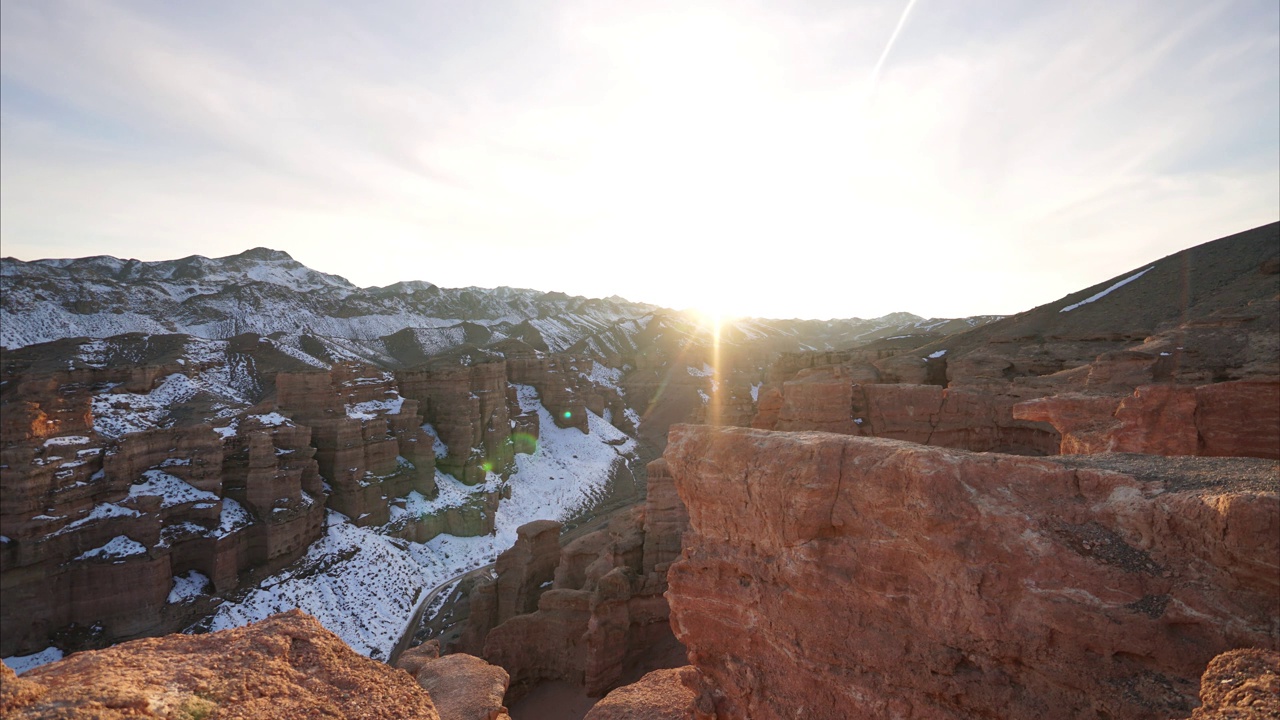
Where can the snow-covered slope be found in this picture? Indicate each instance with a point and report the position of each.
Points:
(265, 291)
(326, 318)
(365, 586)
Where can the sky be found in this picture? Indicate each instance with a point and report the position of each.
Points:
(798, 158)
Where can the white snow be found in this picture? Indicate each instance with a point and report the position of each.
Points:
(272, 419)
(602, 374)
(706, 371)
(188, 587)
(370, 409)
(1102, 294)
(936, 355)
(116, 414)
(368, 597)
(171, 490)
(100, 512)
(229, 430)
(755, 391)
(437, 445)
(233, 517)
(22, 663)
(67, 440)
(117, 547)
(358, 584)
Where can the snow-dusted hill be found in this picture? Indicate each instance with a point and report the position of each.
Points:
(324, 317)
(265, 292)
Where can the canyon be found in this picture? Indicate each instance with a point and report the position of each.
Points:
(1069, 512)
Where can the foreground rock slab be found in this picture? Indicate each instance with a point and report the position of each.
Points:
(465, 687)
(1240, 684)
(834, 576)
(672, 694)
(286, 666)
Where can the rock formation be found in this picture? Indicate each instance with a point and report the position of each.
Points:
(672, 694)
(464, 687)
(106, 526)
(1228, 419)
(1240, 684)
(463, 395)
(588, 612)
(843, 576)
(287, 666)
(369, 441)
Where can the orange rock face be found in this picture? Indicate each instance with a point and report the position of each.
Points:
(837, 576)
(1240, 684)
(828, 399)
(1227, 419)
(286, 666)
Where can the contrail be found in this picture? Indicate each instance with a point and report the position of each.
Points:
(875, 74)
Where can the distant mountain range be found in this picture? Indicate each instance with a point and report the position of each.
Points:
(325, 318)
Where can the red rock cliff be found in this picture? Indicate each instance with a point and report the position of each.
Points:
(837, 576)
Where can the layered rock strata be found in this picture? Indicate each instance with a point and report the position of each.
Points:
(1228, 419)
(97, 533)
(463, 396)
(588, 612)
(841, 576)
(370, 445)
(837, 398)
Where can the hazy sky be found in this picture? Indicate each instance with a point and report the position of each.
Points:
(740, 155)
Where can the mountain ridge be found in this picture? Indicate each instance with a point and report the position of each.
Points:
(266, 291)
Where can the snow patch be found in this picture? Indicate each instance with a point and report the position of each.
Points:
(232, 518)
(67, 440)
(188, 587)
(1102, 294)
(171, 490)
(119, 546)
(272, 419)
(22, 663)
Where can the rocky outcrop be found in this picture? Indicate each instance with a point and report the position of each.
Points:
(369, 441)
(840, 576)
(523, 571)
(463, 395)
(464, 687)
(595, 613)
(103, 528)
(1240, 684)
(286, 666)
(1227, 419)
(111, 531)
(672, 694)
(832, 398)
(563, 384)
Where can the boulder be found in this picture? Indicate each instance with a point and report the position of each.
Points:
(464, 687)
(1240, 684)
(286, 666)
(660, 695)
